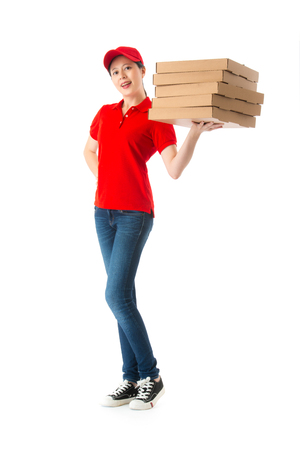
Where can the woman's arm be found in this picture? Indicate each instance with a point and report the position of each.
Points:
(90, 154)
(176, 162)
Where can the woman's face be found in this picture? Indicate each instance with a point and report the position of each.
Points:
(127, 76)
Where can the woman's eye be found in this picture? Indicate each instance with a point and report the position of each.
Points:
(128, 67)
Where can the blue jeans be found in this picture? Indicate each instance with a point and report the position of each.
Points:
(122, 236)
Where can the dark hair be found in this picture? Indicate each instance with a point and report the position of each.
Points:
(138, 63)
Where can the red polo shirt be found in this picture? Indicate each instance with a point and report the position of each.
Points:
(125, 145)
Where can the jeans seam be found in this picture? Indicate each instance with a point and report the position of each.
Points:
(142, 225)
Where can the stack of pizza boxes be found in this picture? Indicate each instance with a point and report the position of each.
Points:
(211, 90)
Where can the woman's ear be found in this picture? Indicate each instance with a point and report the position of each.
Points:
(143, 69)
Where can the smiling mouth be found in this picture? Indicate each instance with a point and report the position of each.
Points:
(125, 85)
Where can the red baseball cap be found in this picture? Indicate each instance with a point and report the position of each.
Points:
(129, 52)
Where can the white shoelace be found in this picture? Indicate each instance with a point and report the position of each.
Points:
(144, 388)
(121, 388)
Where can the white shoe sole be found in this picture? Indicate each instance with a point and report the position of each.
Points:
(140, 405)
(109, 401)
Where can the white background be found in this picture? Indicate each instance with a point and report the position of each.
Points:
(218, 284)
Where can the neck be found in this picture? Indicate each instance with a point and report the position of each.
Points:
(134, 100)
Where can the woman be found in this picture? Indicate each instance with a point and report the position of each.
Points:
(124, 210)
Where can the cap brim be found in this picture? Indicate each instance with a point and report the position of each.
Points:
(111, 54)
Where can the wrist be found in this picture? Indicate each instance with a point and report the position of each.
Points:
(195, 132)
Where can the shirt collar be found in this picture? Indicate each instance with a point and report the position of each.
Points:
(142, 107)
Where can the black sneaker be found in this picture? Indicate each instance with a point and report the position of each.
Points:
(149, 392)
(122, 395)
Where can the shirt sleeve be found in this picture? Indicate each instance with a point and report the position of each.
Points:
(163, 135)
(95, 125)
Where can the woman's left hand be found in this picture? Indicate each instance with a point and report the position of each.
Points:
(206, 126)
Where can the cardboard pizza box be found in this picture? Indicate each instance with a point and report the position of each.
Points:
(208, 64)
(163, 79)
(226, 103)
(210, 88)
(186, 116)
